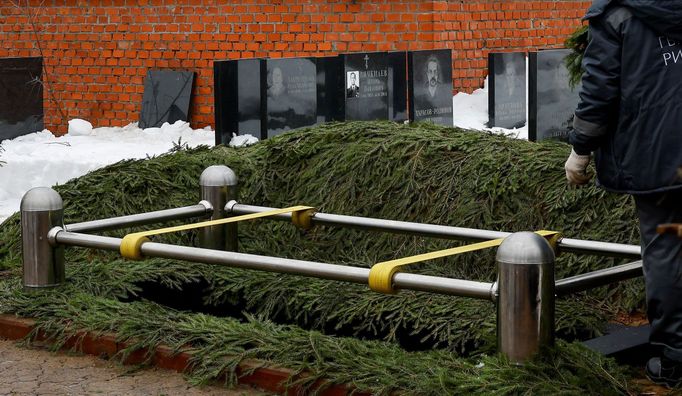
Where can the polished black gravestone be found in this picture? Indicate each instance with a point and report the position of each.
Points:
(291, 94)
(21, 96)
(330, 89)
(166, 97)
(430, 86)
(397, 86)
(506, 89)
(552, 101)
(238, 92)
(266, 97)
(365, 86)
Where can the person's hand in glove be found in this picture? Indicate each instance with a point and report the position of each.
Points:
(576, 166)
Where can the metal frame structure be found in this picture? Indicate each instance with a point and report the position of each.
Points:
(524, 292)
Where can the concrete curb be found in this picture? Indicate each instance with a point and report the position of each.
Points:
(267, 378)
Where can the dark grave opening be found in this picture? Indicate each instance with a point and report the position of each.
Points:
(21, 96)
(507, 89)
(166, 97)
(192, 296)
(430, 86)
(552, 101)
(189, 296)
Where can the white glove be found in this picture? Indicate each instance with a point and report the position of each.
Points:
(575, 169)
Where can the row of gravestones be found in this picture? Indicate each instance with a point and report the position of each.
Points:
(266, 97)
(551, 99)
(166, 97)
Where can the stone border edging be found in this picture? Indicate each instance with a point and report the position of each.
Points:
(267, 378)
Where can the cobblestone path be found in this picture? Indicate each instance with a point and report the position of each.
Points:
(32, 371)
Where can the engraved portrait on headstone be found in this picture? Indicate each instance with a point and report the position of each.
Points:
(432, 89)
(431, 86)
(507, 89)
(291, 94)
(276, 87)
(353, 87)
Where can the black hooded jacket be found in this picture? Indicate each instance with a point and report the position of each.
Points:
(630, 110)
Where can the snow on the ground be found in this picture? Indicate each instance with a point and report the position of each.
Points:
(471, 111)
(41, 159)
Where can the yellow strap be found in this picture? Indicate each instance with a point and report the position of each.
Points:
(381, 274)
(131, 243)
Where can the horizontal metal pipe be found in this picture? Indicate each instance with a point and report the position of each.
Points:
(598, 278)
(446, 232)
(598, 248)
(57, 236)
(440, 285)
(401, 280)
(185, 212)
(456, 287)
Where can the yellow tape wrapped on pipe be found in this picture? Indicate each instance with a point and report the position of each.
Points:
(381, 274)
(132, 243)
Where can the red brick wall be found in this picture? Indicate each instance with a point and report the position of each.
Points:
(97, 52)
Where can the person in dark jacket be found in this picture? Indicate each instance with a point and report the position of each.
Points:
(630, 117)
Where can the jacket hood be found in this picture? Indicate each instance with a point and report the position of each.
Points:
(663, 16)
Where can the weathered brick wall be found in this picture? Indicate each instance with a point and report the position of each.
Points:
(98, 52)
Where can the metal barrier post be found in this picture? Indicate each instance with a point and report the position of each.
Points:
(525, 310)
(43, 265)
(218, 187)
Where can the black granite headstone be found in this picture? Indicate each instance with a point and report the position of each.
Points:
(291, 94)
(430, 82)
(552, 102)
(166, 97)
(366, 86)
(238, 90)
(397, 86)
(224, 95)
(507, 89)
(21, 96)
(330, 89)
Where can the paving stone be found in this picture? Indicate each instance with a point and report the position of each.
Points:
(31, 371)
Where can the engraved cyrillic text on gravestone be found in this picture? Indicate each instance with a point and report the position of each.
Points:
(552, 100)
(366, 86)
(507, 89)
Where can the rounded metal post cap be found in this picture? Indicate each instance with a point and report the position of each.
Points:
(41, 199)
(217, 176)
(525, 248)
